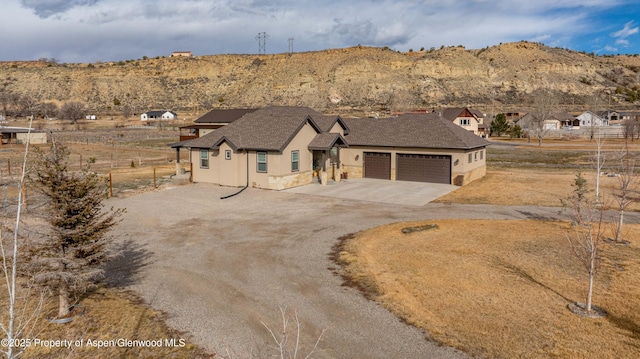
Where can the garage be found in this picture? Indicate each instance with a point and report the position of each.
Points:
(423, 168)
(377, 165)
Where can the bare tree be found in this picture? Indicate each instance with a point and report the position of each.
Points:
(593, 105)
(287, 341)
(19, 318)
(74, 111)
(599, 161)
(544, 103)
(49, 109)
(588, 225)
(68, 261)
(625, 190)
(30, 105)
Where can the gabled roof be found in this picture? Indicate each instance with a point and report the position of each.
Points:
(452, 113)
(223, 116)
(158, 113)
(326, 122)
(563, 116)
(327, 140)
(267, 129)
(424, 130)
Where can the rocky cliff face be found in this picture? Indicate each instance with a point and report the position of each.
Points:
(342, 80)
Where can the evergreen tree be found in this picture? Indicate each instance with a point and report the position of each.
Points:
(499, 125)
(69, 260)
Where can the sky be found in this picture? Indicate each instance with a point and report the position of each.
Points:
(88, 31)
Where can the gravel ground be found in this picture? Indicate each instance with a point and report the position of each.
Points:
(220, 268)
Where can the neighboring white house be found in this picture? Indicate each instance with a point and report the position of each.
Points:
(158, 115)
(589, 118)
(182, 54)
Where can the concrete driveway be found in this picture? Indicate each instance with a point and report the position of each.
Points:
(376, 190)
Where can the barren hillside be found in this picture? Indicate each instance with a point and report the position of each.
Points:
(358, 79)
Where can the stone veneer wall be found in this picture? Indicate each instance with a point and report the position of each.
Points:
(289, 181)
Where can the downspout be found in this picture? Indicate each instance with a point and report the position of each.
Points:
(247, 185)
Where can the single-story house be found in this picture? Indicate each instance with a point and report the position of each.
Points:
(589, 118)
(158, 115)
(609, 115)
(21, 134)
(629, 115)
(211, 121)
(181, 54)
(465, 118)
(554, 121)
(282, 147)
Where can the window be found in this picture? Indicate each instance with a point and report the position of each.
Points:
(295, 161)
(261, 158)
(465, 122)
(204, 159)
(475, 156)
(481, 154)
(470, 158)
(227, 154)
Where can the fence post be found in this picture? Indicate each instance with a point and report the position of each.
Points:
(154, 178)
(110, 184)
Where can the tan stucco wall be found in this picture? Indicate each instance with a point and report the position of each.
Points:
(337, 129)
(204, 131)
(459, 161)
(233, 172)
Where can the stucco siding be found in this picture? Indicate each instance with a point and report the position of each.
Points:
(337, 129)
(352, 161)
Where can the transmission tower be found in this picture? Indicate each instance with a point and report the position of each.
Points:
(290, 45)
(262, 42)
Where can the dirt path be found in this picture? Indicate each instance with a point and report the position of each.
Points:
(220, 267)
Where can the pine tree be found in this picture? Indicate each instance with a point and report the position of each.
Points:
(69, 260)
(499, 125)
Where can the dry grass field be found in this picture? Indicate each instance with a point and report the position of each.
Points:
(108, 314)
(499, 289)
(131, 162)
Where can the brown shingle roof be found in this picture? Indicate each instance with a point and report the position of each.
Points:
(223, 116)
(412, 130)
(267, 129)
(326, 122)
(326, 140)
(452, 113)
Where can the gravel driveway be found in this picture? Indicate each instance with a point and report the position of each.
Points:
(221, 267)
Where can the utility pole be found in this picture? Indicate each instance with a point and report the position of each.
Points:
(290, 45)
(262, 42)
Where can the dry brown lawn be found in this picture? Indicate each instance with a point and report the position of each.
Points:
(109, 314)
(499, 289)
(525, 186)
(541, 187)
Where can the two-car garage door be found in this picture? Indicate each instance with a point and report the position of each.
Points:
(409, 167)
(423, 168)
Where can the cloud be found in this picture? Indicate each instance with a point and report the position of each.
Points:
(626, 31)
(90, 30)
(622, 42)
(47, 8)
